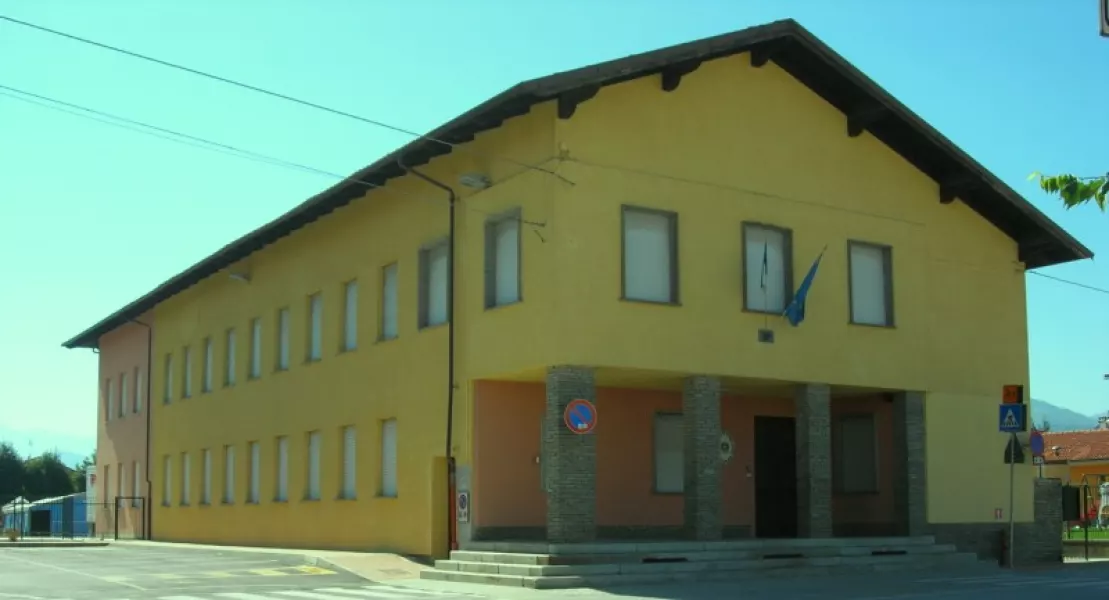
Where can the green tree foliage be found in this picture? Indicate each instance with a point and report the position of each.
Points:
(1075, 190)
(11, 473)
(80, 475)
(47, 476)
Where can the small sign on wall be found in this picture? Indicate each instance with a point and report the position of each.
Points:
(997, 514)
(462, 507)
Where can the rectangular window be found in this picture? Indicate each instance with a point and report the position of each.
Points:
(650, 255)
(167, 394)
(255, 474)
(669, 454)
(767, 268)
(350, 316)
(281, 493)
(283, 339)
(167, 480)
(107, 483)
(870, 284)
(255, 348)
(109, 399)
(139, 391)
(136, 484)
(206, 477)
(348, 490)
(123, 396)
(433, 285)
(208, 352)
(187, 374)
(389, 458)
(228, 474)
(121, 475)
(186, 473)
(856, 454)
(502, 260)
(229, 368)
(313, 489)
(389, 302)
(315, 327)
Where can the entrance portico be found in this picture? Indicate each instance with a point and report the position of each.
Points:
(608, 484)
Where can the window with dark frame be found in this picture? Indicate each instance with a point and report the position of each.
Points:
(649, 255)
(870, 284)
(767, 268)
(502, 260)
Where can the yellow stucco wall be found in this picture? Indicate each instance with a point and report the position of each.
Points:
(732, 143)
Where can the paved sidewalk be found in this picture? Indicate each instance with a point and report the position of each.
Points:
(374, 566)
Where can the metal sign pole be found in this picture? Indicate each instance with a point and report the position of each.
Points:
(1012, 476)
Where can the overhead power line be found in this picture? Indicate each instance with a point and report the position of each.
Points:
(1069, 282)
(271, 93)
(190, 140)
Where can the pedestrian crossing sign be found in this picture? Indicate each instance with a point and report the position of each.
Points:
(1011, 418)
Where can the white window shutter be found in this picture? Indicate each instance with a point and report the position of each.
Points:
(186, 473)
(167, 480)
(350, 316)
(208, 352)
(437, 285)
(231, 350)
(256, 348)
(110, 400)
(766, 284)
(136, 484)
(868, 285)
(188, 373)
(389, 458)
(229, 475)
(283, 339)
(506, 274)
(647, 256)
(282, 494)
(349, 462)
(389, 303)
(313, 492)
(167, 393)
(206, 478)
(669, 454)
(315, 327)
(123, 396)
(255, 474)
(140, 390)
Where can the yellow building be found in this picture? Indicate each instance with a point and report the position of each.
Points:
(630, 234)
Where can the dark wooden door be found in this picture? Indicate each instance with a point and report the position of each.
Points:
(775, 477)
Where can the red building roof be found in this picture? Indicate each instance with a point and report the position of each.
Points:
(1089, 445)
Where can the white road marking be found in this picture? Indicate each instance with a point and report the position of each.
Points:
(243, 596)
(73, 572)
(303, 594)
(366, 593)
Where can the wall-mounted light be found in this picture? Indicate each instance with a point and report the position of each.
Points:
(475, 181)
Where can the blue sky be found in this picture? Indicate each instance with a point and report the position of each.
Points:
(95, 216)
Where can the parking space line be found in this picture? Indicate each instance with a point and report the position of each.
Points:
(70, 571)
(267, 572)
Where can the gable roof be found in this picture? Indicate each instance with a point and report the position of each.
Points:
(1089, 445)
(792, 47)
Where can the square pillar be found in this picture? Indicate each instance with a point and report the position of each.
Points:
(813, 404)
(701, 424)
(570, 459)
(910, 469)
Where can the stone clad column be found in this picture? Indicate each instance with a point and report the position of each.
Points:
(570, 459)
(813, 403)
(701, 420)
(910, 470)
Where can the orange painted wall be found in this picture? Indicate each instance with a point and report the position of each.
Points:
(507, 491)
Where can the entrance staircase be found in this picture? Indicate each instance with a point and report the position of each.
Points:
(549, 566)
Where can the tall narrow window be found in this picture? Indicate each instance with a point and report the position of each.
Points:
(167, 480)
(206, 477)
(433, 285)
(107, 483)
(255, 348)
(228, 474)
(315, 327)
(167, 394)
(140, 391)
(650, 255)
(255, 474)
(283, 339)
(136, 484)
(502, 260)
(208, 358)
(669, 454)
(121, 477)
(229, 367)
(389, 302)
(187, 374)
(123, 396)
(767, 268)
(389, 458)
(870, 274)
(281, 493)
(349, 464)
(350, 316)
(186, 474)
(856, 444)
(109, 399)
(313, 488)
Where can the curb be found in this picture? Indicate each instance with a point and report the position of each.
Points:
(54, 544)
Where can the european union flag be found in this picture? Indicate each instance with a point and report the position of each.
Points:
(795, 312)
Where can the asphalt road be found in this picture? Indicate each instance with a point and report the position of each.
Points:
(144, 573)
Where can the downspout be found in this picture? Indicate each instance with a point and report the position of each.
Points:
(147, 509)
(452, 536)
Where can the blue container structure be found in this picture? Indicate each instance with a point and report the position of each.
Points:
(63, 516)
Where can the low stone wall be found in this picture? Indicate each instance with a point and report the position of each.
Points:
(1076, 547)
(1038, 542)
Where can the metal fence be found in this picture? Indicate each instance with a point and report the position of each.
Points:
(72, 517)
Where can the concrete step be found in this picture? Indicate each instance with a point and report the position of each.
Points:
(573, 576)
(685, 546)
(698, 555)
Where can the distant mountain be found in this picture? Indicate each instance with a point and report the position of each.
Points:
(1061, 419)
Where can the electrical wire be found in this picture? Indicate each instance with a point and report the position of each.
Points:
(273, 94)
(192, 140)
(1069, 282)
